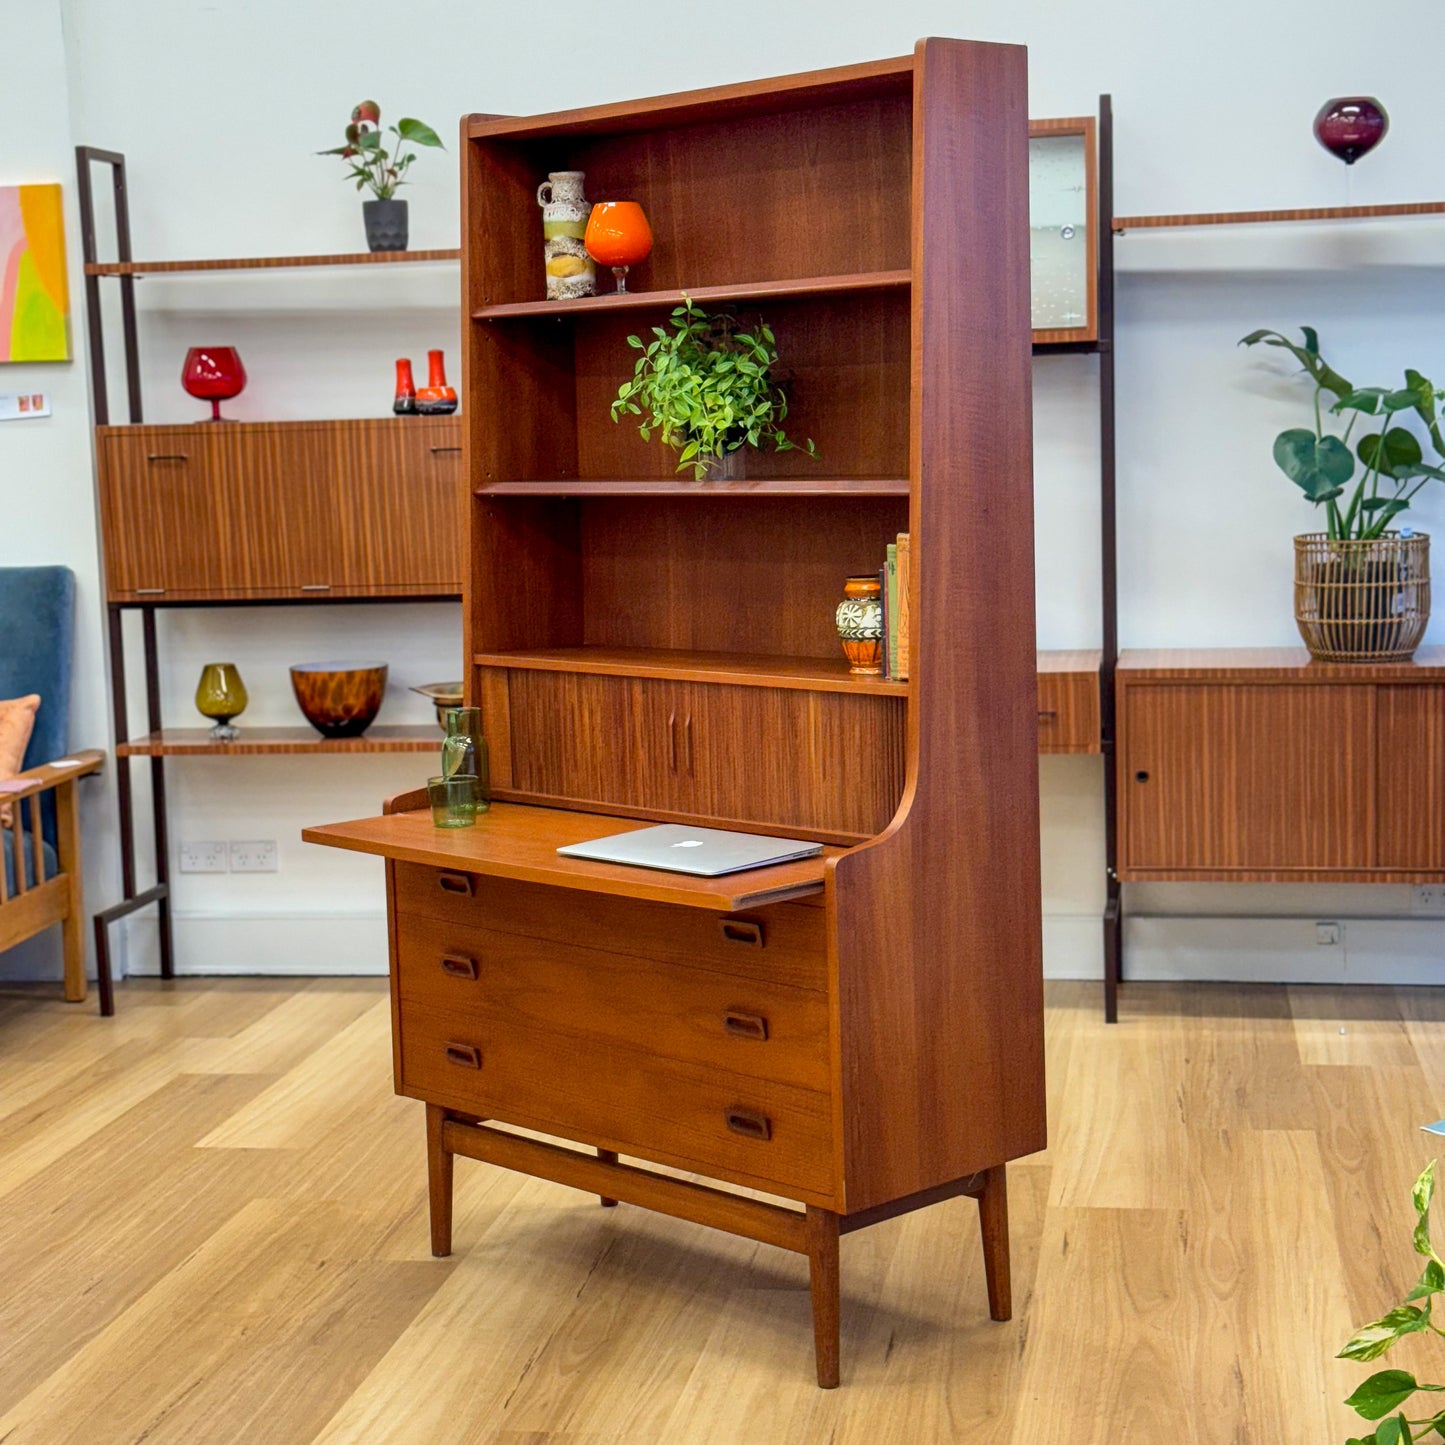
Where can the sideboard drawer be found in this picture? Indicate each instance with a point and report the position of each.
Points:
(784, 943)
(687, 1115)
(761, 1030)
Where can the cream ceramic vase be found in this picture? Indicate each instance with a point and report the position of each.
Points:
(570, 271)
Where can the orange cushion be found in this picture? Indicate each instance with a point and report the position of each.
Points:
(17, 719)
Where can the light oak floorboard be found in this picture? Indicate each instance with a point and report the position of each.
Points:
(213, 1228)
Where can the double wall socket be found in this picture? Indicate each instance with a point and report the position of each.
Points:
(255, 855)
(1429, 899)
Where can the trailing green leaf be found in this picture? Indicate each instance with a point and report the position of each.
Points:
(1372, 1341)
(1382, 1392)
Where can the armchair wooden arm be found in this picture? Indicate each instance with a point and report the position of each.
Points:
(38, 902)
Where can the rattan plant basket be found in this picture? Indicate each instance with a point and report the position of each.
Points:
(1362, 601)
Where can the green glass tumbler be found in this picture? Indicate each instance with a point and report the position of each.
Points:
(454, 800)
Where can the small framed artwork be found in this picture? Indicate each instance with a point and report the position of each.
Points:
(34, 294)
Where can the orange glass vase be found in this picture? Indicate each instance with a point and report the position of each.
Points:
(618, 236)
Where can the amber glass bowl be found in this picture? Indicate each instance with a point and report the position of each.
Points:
(340, 699)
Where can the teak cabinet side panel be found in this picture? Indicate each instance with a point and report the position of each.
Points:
(1410, 776)
(1235, 776)
(936, 925)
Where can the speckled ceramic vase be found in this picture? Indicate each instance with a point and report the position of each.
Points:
(570, 270)
(860, 625)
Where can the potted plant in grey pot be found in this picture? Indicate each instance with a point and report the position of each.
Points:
(1362, 590)
(373, 166)
(709, 389)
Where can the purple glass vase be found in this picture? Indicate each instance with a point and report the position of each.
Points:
(1351, 126)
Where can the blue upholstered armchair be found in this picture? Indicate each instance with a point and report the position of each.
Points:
(40, 881)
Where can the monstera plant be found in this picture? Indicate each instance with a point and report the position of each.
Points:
(1392, 464)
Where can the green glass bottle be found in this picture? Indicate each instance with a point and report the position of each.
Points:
(464, 750)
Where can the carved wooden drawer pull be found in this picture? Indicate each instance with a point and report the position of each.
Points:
(742, 930)
(455, 883)
(464, 1056)
(166, 457)
(437, 450)
(750, 1124)
(745, 1025)
(458, 966)
(1047, 715)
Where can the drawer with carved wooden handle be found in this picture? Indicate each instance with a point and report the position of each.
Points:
(763, 1030)
(784, 943)
(689, 1115)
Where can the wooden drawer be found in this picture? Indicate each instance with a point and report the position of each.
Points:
(762, 1030)
(785, 943)
(1069, 712)
(690, 1116)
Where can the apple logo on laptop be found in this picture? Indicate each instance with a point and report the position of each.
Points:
(689, 843)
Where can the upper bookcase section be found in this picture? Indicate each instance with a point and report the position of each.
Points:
(765, 182)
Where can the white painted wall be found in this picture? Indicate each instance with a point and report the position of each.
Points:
(219, 108)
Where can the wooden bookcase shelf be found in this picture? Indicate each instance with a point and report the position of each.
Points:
(196, 742)
(809, 674)
(687, 486)
(703, 295)
(1252, 218)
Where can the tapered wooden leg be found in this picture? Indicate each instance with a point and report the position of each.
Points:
(72, 926)
(993, 1222)
(822, 1225)
(439, 1181)
(607, 1156)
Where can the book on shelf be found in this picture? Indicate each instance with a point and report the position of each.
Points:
(890, 612)
(905, 556)
(883, 613)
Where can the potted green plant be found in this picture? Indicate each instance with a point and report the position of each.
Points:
(373, 166)
(1382, 1395)
(708, 389)
(1362, 590)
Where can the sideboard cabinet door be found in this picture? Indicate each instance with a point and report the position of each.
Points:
(1238, 776)
(1410, 722)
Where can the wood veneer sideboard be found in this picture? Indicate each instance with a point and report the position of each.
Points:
(860, 1033)
(1261, 765)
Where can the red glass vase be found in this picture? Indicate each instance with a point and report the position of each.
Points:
(213, 374)
(436, 398)
(1351, 126)
(404, 403)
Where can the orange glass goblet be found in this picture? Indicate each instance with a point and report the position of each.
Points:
(618, 236)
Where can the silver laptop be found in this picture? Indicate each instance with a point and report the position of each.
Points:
(678, 848)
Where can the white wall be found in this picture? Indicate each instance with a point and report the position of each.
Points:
(219, 109)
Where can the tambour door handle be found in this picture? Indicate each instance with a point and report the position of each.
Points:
(749, 1123)
(687, 743)
(745, 1025)
(459, 966)
(436, 451)
(741, 930)
(166, 457)
(672, 741)
(1047, 714)
(464, 1056)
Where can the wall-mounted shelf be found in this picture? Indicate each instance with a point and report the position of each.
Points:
(1250, 218)
(266, 263)
(197, 743)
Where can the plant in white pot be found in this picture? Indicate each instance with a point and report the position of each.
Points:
(1362, 590)
(373, 166)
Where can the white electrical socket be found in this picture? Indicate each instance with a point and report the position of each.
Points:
(203, 858)
(255, 855)
(1429, 898)
(1327, 935)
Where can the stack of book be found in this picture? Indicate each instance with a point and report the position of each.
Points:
(893, 589)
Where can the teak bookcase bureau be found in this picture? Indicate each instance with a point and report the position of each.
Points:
(859, 1034)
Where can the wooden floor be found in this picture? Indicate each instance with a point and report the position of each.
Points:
(212, 1229)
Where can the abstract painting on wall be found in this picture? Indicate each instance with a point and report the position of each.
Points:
(34, 297)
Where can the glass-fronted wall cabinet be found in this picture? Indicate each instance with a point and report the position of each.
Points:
(1063, 239)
